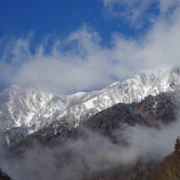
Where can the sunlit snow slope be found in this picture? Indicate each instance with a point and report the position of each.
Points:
(30, 109)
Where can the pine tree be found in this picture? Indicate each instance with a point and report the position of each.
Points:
(177, 145)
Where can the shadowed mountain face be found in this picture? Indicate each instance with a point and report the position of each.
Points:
(150, 112)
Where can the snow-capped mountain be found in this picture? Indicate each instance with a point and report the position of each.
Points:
(24, 107)
(131, 90)
(32, 110)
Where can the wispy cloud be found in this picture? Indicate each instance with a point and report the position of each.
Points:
(137, 12)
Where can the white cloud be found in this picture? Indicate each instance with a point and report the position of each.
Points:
(81, 62)
(91, 153)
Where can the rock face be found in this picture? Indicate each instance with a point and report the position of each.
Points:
(25, 111)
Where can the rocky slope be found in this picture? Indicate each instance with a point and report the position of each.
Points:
(168, 169)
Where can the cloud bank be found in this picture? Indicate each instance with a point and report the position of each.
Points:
(80, 61)
(90, 154)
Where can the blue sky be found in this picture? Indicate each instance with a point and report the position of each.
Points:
(45, 17)
(67, 46)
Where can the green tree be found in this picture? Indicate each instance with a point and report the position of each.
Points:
(177, 145)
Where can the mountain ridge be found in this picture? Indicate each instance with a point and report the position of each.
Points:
(32, 110)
